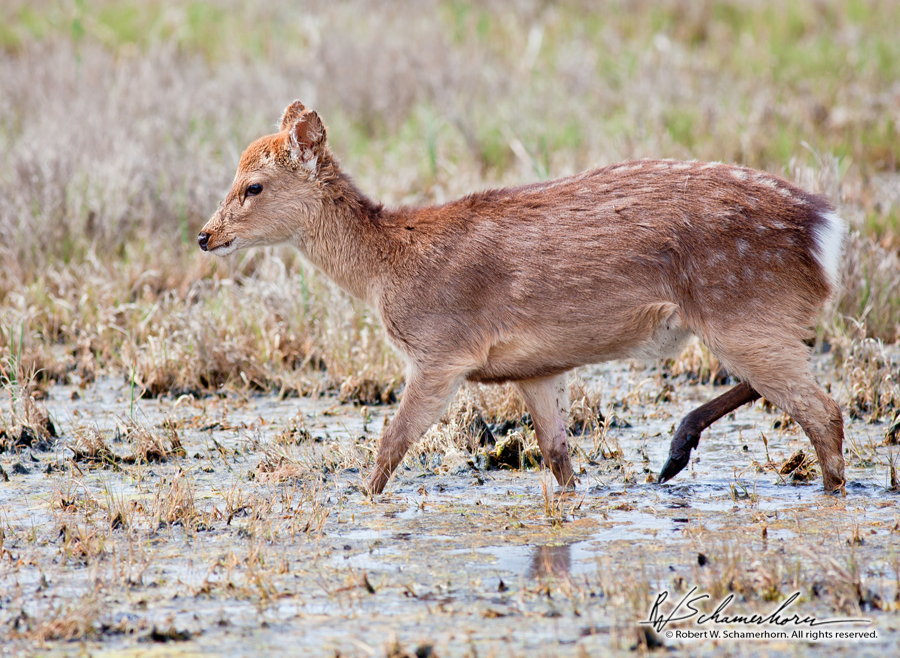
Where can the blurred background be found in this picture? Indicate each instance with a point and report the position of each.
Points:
(121, 125)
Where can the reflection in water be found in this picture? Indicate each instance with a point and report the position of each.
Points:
(550, 562)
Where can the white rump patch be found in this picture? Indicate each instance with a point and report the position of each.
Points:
(828, 238)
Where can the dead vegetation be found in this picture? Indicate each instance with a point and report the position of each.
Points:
(121, 124)
(104, 277)
(145, 445)
(275, 518)
(872, 378)
(697, 365)
(28, 426)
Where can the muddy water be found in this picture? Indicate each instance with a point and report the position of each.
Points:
(453, 557)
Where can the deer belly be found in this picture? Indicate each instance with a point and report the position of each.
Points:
(666, 341)
(530, 357)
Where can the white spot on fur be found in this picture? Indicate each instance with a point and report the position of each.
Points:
(711, 165)
(765, 180)
(681, 166)
(828, 245)
(635, 167)
(740, 174)
(742, 246)
(662, 165)
(779, 225)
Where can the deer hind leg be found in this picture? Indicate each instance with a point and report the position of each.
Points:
(819, 416)
(425, 398)
(780, 373)
(687, 436)
(547, 400)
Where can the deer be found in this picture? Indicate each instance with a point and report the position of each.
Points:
(523, 284)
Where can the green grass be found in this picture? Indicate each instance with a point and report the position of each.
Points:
(680, 126)
(807, 51)
(884, 226)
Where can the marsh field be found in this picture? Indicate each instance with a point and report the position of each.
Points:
(183, 440)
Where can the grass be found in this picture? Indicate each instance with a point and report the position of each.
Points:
(121, 124)
(266, 522)
(102, 273)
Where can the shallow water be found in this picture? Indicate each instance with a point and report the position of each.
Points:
(472, 562)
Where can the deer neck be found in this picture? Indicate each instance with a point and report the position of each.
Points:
(344, 240)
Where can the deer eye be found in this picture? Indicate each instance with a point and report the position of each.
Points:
(254, 189)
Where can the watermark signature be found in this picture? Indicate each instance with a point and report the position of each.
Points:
(800, 627)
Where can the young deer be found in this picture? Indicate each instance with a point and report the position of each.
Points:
(524, 284)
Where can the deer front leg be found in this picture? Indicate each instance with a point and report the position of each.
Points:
(547, 400)
(425, 398)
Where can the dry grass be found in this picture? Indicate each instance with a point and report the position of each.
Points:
(173, 503)
(871, 289)
(146, 445)
(279, 464)
(269, 522)
(98, 223)
(89, 445)
(872, 378)
(64, 620)
(121, 124)
(27, 426)
(697, 365)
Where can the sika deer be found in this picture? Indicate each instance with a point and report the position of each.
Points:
(526, 283)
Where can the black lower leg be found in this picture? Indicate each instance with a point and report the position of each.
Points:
(687, 436)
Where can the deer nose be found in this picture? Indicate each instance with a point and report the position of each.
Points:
(202, 240)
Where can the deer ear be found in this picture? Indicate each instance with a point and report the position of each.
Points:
(307, 139)
(291, 113)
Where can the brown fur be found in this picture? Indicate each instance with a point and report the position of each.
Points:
(526, 283)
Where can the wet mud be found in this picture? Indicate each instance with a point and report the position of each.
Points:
(255, 536)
